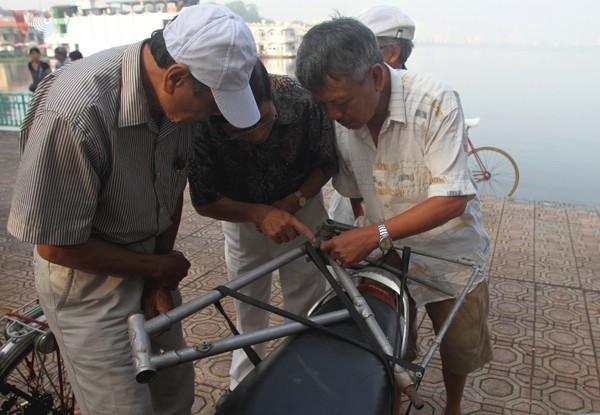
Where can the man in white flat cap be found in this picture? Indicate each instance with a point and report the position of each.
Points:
(395, 32)
(105, 146)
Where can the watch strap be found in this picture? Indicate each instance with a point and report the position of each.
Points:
(384, 238)
(301, 198)
(383, 232)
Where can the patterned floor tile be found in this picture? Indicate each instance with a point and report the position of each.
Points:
(544, 283)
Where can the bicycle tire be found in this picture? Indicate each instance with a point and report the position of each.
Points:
(498, 174)
(33, 380)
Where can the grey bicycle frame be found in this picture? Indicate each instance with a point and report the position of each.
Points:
(148, 363)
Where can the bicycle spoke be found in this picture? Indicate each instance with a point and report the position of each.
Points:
(499, 176)
(33, 379)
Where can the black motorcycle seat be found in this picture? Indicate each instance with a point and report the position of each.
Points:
(314, 373)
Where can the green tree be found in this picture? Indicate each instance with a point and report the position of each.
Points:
(248, 12)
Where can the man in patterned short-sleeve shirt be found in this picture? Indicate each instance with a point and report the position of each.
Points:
(264, 184)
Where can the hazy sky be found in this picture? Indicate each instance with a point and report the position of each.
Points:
(515, 21)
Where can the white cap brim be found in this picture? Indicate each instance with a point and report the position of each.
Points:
(238, 107)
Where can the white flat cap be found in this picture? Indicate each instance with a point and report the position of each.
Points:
(388, 21)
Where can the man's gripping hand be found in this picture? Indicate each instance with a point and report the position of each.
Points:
(174, 267)
(156, 299)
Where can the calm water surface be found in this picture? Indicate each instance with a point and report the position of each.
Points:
(14, 77)
(538, 104)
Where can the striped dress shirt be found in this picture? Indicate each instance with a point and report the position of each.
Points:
(94, 162)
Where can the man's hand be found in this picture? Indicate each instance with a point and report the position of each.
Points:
(352, 246)
(174, 267)
(156, 299)
(97, 256)
(280, 226)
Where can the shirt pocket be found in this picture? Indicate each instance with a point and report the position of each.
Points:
(401, 182)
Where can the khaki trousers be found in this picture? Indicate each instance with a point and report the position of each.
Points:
(87, 313)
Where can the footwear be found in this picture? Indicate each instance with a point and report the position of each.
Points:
(223, 398)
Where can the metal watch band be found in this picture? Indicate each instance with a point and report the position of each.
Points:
(385, 240)
(383, 232)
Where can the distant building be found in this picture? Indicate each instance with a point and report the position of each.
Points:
(109, 24)
(14, 35)
(278, 39)
(92, 26)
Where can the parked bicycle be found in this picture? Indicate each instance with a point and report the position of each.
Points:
(33, 380)
(494, 170)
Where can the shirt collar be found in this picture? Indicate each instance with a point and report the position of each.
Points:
(134, 104)
(397, 106)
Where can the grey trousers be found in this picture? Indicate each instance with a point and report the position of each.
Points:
(302, 284)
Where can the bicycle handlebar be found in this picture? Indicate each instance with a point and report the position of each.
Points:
(145, 370)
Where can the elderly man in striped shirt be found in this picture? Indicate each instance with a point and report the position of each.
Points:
(99, 192)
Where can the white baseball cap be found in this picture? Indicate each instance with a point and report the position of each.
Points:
(218, 47)
(388, 21)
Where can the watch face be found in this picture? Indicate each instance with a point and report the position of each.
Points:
(386, 243)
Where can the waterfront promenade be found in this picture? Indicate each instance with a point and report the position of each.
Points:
(544, 273)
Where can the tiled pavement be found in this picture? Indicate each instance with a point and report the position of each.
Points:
(545, 312)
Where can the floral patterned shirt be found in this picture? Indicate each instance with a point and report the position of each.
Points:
(302, 138)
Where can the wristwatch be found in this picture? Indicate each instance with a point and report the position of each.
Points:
(301, 198)
(385, 242)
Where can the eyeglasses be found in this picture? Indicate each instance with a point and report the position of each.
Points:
(240, 134)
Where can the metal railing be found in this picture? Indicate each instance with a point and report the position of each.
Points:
(13, 106)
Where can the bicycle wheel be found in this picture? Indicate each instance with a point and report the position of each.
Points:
(494, 171)
(33, 380)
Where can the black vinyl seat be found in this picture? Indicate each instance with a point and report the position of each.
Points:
(314, 373)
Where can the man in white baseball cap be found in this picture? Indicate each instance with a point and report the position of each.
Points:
(219, 50)
(105, 147)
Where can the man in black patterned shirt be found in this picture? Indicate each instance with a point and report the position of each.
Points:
(264, 184)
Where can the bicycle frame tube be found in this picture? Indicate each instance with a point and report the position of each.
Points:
(457, 303)
(401, 375)
(147, 364)
(483, 174)
(166, 320)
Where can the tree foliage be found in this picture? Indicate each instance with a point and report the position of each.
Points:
(248, 12)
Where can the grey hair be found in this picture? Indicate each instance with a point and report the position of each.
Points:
(60, 50)
(406, 47)
(338, 48)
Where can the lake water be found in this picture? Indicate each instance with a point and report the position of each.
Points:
(14, 77)
(538, 104)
